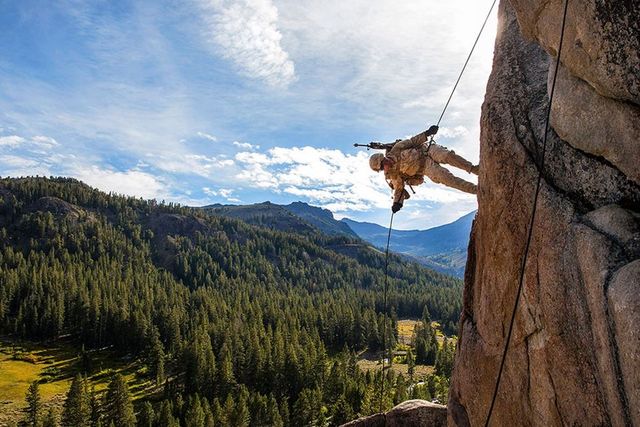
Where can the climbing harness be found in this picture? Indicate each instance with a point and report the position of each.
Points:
(531, 222)
(377, 145)
(384, 318)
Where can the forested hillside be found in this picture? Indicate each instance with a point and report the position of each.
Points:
(295, 217)
(242, 322)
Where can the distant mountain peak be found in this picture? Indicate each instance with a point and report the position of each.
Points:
(442, 248)
(298, 217)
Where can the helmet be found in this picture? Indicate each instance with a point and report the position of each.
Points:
(375, 162)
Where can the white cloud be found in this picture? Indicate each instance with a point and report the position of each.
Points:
(11, 140)
(225, 192)
(131, 183)
(207, 136)
(331, 179)
(44, 141)
(326, 177)
(246, 33)
(35, 143)
(192, 164)
(209, 192)
(257, 175)
(22, 166)
(455, 132)
(246, 145)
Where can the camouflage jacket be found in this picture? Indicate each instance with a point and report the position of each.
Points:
(409, 158)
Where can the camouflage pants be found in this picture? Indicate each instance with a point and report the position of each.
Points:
(438, 154)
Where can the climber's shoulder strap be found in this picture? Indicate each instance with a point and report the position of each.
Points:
(429, 144)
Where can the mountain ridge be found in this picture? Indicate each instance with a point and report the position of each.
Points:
(443, 248)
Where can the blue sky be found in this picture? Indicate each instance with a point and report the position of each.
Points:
(219, 101)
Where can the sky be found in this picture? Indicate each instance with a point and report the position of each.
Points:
(241, 101)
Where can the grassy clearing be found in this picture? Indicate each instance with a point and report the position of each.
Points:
(405, 330)
(371, 361)
(421, 372)
(407, 326)
(54, 366)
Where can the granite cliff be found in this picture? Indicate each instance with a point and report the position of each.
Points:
(573, 358)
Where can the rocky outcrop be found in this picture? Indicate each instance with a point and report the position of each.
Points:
(411, 413)
(573, 358)
(57, 207)
(602, 42)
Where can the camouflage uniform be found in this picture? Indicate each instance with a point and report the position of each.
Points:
(412, 159)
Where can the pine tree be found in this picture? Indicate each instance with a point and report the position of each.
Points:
(119, 406)
(85, 361)
(208, 415)
(432, 350)
(227, 410)
(94, 409)
(284, 412)
(166, 418)
(226, 378)
(195, 416)
(34, 405)
(236, 411)
(273, 413)
(50, 419)
(156, 357)
(444, 362)
(306, 410)
(76, 409)
(240, 416)
(219, 415)
(411, 363)
(342, 412)
(400, 394)
(146, 416)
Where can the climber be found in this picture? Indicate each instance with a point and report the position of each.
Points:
(408, 161)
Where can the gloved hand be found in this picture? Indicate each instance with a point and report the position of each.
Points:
(432, 130)
(396, 207)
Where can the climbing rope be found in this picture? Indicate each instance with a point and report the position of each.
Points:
(384, 322)
(455, 86)
(386, 262)
(464, 67)
(531, 222)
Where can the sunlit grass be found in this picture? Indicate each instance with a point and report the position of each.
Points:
(421, 372)
(405, 330)
(54, 366)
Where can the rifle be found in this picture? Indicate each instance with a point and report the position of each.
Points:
(376, 145)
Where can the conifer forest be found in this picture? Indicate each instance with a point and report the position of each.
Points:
(230, 323)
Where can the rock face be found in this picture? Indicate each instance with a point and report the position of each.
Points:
(412, 413)
(574, 357)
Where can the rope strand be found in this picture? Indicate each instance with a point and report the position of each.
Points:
(455, 86)
(386, 265)
(531, 222)
(384, 319)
